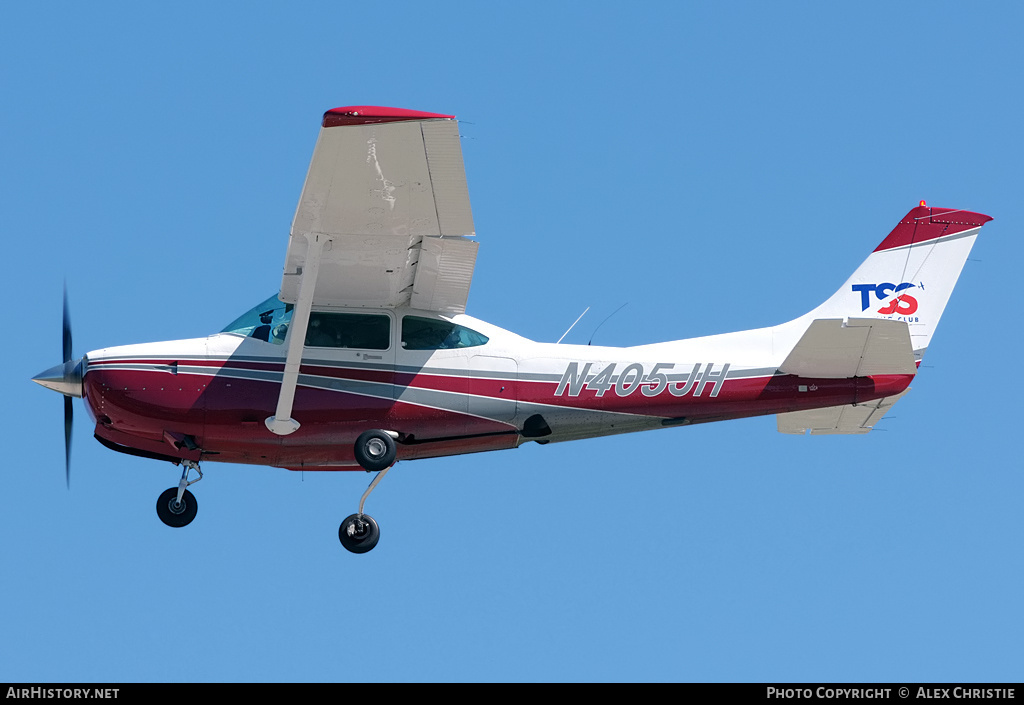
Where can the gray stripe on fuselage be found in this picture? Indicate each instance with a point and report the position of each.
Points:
(410, 369)
(484, 407)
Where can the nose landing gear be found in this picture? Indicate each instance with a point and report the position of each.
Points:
(177, 506)
(176, 512)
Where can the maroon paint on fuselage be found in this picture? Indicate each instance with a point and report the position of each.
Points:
(225, 415)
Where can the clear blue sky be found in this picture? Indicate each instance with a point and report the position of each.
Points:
(717, 166)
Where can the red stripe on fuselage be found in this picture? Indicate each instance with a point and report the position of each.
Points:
(226, 413)
(760, 391)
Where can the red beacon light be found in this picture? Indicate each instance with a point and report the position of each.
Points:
(922, 203)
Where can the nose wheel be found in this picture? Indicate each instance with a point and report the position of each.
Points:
(177, 506)
(174, 512)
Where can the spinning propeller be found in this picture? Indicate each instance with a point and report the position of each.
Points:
(65, 378)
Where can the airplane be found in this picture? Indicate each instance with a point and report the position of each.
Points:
(366, 357)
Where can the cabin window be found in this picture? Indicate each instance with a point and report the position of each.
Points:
(267, 321)
(349, 330)
(434, 334)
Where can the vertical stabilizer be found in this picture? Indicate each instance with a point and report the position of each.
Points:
(910, 275)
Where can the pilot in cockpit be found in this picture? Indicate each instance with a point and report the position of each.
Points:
(267, 321)
(262, 332)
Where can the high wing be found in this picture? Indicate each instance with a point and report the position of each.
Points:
(386, 197)
(383, 221)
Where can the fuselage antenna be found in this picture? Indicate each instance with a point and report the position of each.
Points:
(573, 324)
(605, 321)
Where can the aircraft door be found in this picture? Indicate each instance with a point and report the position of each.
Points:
(353, 352)
(443, 367)
(495, 387)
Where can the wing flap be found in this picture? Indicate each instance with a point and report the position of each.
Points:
(849, 419)
(443, 273)
(355, 270)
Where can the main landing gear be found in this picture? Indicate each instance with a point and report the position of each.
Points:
(177, 506)
(375, 452)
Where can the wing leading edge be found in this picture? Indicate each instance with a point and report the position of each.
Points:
(386, 198)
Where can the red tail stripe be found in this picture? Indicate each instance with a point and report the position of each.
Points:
(925, 223)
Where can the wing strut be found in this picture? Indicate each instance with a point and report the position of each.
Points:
(281, 422)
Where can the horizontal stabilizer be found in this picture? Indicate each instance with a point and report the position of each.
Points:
(852, 418)
(832, 348)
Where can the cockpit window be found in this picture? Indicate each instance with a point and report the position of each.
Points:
(267, 321)
(349, 330)
(433, 334)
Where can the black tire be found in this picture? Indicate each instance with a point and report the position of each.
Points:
(359, 533)
(174, 514)
(375, 450)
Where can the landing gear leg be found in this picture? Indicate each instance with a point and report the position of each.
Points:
(375, 450)
(177, 506)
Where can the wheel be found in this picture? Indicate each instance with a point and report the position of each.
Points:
(375, 450)
(174, 514)
(359, 533)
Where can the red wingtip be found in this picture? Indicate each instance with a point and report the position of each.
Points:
(370, 114)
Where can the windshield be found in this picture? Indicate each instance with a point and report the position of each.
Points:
(267, 321)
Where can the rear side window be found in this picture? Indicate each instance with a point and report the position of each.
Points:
(433, 334)
(349, 330)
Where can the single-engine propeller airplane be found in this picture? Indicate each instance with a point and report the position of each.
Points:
(366, 356)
